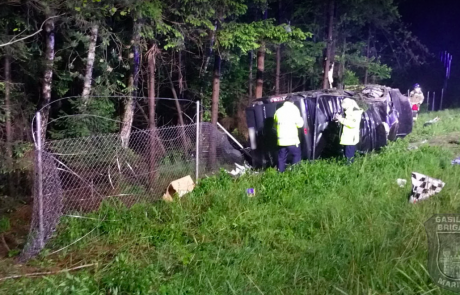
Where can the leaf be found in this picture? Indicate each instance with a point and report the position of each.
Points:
(78, 9)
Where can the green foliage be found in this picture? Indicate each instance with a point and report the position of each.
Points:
(246, 37)
(95, 120)
(350, 78)
(4, 224)
(381, 71)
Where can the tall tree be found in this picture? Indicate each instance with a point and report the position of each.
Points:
(130, 102)
(90, 63)
(48, 72)
(261, 65)
(278, 53)
(8, 130)
(327, 59)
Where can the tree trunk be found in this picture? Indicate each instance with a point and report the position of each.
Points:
(48, 74)
(214, 111)
(181, 77)
(128, 116)
(8, 131)
(250, 76)
(368, 53)
(176, 100)
(278, 54)
(152, 105)
(327, 63)
(130, 105)
(211, 45)
(185, 142)
(278, 69)
(156, 148)
(90, 64)
(341, 71)
(260, 70)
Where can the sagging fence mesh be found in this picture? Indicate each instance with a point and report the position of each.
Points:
(78, 174)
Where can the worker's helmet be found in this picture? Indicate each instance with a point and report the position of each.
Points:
(348, 103)
(417, 85)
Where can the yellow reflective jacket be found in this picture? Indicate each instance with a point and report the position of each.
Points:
(287, 120)
(351, 126)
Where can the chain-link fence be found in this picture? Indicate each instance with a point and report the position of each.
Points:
(77, 175)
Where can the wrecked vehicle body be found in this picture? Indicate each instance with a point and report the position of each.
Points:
(387, 116)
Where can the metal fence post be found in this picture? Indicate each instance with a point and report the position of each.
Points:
(197, 156)
(428, 102)
(40, 180)
(442, 97)
(433, 101)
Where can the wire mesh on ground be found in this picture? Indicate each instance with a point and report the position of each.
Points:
(79, 174)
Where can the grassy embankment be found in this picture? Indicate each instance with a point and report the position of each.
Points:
(322, 228)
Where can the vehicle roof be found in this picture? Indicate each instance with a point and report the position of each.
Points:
(369, 93)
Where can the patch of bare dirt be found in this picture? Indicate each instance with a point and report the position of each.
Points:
(450, 141)
(15, 237)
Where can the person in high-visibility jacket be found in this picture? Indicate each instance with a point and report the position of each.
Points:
(350, 127)
(416, 98)
(287, 120)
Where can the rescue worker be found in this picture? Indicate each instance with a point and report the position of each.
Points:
(416, 98)
(350, 127)
(287, 120)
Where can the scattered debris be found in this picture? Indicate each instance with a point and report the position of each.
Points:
(251, 192)
(240, 170)
(401, 182)
(180, 186)
(427, 123)
(424, 187)
(456, 161)
(414, 146)
(373, 92)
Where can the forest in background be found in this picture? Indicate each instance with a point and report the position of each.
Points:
(116, 57)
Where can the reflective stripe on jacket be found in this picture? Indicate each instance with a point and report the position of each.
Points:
(287, 120)
(351, 126)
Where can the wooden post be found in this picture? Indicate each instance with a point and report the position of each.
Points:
(428, 101)
(442, 96)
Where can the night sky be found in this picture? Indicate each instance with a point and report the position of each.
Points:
(437, 24)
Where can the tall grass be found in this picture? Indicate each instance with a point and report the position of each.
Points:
(321, 228)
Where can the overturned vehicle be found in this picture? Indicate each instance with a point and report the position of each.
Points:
(387, 116)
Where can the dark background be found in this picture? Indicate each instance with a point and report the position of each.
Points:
(437, 25)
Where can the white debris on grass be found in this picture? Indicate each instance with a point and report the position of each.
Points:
(432, 121)
(240, 170)
(414, 146)
(401, 182)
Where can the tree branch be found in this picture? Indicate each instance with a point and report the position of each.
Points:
(12, 41)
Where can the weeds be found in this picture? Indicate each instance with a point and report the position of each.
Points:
(322, 228)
